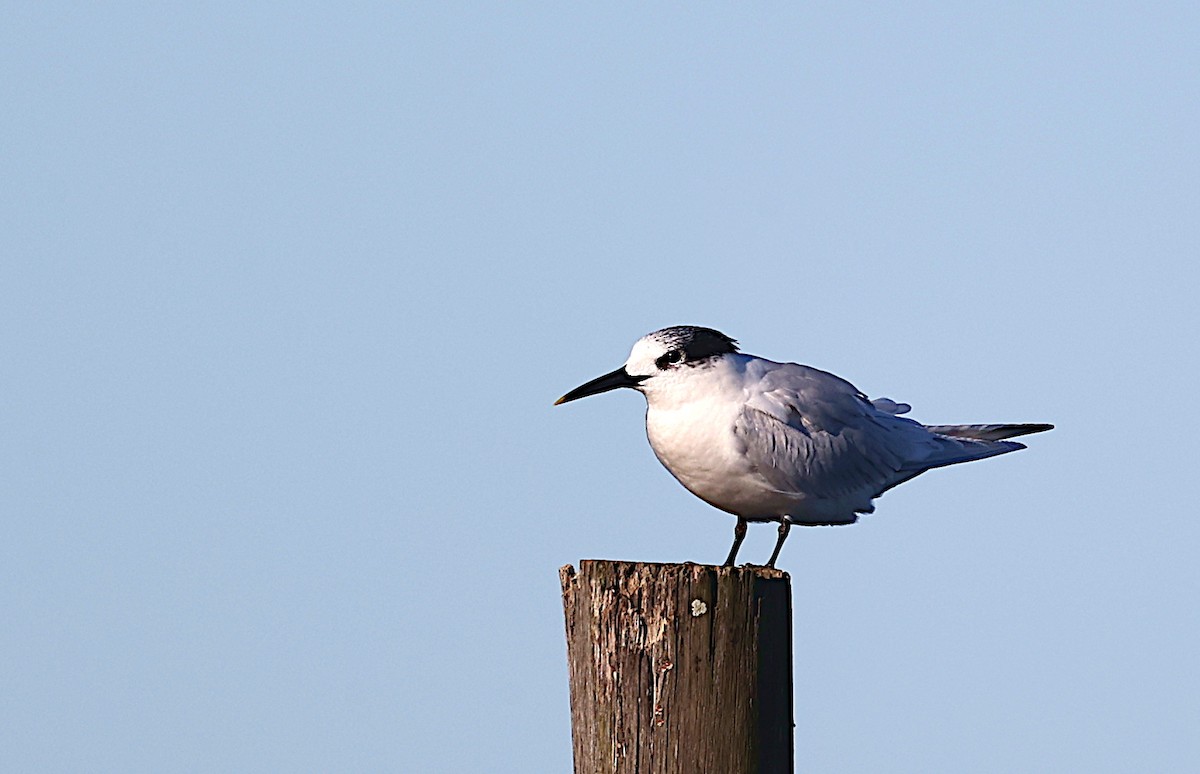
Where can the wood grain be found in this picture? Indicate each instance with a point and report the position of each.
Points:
(679, 668)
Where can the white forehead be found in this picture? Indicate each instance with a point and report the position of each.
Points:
(645, 351)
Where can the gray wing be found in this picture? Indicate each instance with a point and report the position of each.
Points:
(813, 434)
(989, 432)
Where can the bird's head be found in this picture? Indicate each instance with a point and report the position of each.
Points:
(658, 356)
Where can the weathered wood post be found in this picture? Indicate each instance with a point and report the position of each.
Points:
(679, 668)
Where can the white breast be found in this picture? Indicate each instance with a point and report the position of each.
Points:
(690, 423)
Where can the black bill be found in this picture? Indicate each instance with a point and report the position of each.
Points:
(618, 378)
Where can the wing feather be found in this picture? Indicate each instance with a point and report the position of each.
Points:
(814, 435)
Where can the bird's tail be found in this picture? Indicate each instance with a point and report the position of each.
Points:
(964, 443)
(987, 432)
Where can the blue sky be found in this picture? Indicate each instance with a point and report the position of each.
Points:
(287, 292)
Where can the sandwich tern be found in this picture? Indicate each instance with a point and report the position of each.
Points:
(783, 442)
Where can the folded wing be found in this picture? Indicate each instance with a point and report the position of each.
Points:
(812, 434)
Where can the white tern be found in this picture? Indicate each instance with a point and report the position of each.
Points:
(781, 442)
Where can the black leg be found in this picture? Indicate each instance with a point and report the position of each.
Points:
(739, 534)
(784, 526)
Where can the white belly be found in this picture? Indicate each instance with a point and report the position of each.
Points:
(696, 443)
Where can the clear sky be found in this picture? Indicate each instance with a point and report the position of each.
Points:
(287, 291)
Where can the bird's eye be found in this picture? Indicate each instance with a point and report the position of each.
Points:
(671, 358)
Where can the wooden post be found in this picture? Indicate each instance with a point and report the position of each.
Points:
(679, 668)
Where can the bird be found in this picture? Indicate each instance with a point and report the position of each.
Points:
(781, 442)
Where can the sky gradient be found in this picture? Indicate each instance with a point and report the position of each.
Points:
(287, 292)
